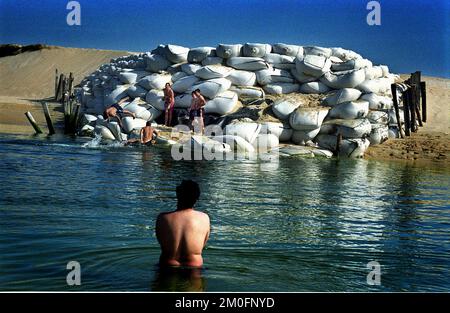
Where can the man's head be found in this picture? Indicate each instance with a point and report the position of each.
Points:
(198, 92)
(188, 193)
(148, 123)
(167, 85)
(193, 94)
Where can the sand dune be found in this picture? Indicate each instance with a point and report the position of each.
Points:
(31, 75)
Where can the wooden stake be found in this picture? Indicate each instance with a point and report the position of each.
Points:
(406, 113)
(51, 129)
(338, 143)
(56, 83)
(412, 104)
(33, 123)
(423, 93)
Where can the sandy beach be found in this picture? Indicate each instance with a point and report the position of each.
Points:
(28, 78)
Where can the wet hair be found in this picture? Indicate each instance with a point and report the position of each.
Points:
(148, 123)
(188, 193)
(167, 84)
(193, 93)
(198, 90)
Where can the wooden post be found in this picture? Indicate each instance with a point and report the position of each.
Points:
(74, 118)
(33, 123)
(397, 111)
(60, 88)
(56, 83)
(423, 94)
(70, 85)
(411, 104)
(406, 112)
(51, 129)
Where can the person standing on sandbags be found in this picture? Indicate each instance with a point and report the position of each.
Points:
(197, 112)
(116, 111)
(169, 100)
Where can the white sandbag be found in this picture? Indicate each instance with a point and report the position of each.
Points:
(236, 143)
(393, 117)
(318, 51)
(281, 88)
(247, 63)
(292, 150)
(176, 68)
(213, 71)
(228, 51)
(129, 124)
(140, 111)
(350, 110)
(88, 119)
(265, 142)
(351, 128)
(155, 81)
(207, 144)
(378, 134)
(104, 132)
(248, 92)
(344, 54)
(136, 91)
(155, 98)
(223, 103)
(184, 84)
(373, 72)
(212, 61)
(176, 54)
(271, 75)
(183, 101)
(282, 108)
(242, 78)
(302, 77)
(314, 88)
(307, 118)
(342, 95)
(351, 65)
(351, 148)
(128, 77)
(393, 133)
(156, 63)
(178, 76)
(301, 137)
(289, 50)
(378, 86)
(280, 61)
(282, 131)
(313, 65)
(211, 88)
(197, 55)
(116, 95)
(189, 68)
(385, 70)
(377, 102)
(115, 130)
(348, 79)
(246, 130)
(257, 50)
(378, 117)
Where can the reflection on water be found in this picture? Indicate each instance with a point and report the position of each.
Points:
(301, 225)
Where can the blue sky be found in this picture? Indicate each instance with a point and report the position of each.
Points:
(414, 34)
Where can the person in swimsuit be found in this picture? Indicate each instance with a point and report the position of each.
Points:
(192, 111)
(116, 111)
(200, 103)
(169, 100)
(147, 136)
(183, 233)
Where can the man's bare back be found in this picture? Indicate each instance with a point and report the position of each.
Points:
(182, 234)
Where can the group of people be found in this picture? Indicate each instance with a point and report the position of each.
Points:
(148, 134)
(196, 111)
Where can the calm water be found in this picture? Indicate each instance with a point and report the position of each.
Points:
(306, 225)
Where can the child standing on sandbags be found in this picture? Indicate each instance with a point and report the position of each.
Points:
(169, 100)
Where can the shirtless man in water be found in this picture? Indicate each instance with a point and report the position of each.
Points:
(146, 135)
(182, 234)
(117, 111)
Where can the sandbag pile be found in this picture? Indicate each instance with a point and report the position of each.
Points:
(357, 97)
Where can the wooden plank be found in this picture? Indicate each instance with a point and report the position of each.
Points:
(56, 83)
(411, 105)
(423, 93)
(406, 113)
(397, 111)
(51, 129)
(33, 123)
